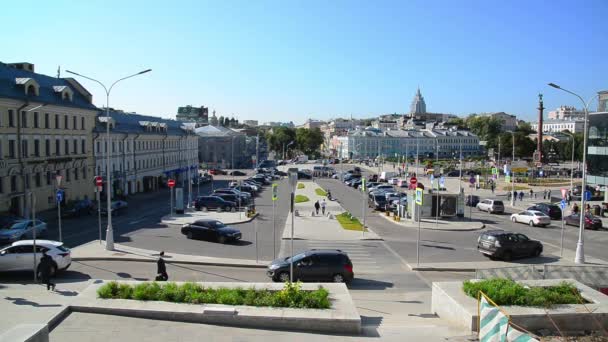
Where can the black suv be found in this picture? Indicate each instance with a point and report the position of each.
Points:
(213, 230)
(551, 210)
(205, 203)
(314, 265)
(500, 244)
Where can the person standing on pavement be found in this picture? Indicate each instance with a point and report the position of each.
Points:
(549, 194)
(575, 208)
(323, 204)
(44, 267)
(317, 206)
(531, 193)
(521, 195)
(545, 194)
(161, 269)
(568, 197)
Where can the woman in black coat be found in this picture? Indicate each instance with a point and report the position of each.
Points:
(45, 267)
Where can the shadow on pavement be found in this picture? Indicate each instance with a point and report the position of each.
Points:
(27, 277)
(369, 284)
(23, 301)
(536, 260)
(439, 247)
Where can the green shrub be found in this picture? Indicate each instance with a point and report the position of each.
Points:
(507, 292)
(301, 198)
(300, 185)
(320, 192)
(291, 295)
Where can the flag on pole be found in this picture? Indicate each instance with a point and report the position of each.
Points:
(492, 322)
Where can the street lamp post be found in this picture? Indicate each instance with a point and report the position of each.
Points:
(572, 163)
(110, 231)
(580, 251)
(513, 173)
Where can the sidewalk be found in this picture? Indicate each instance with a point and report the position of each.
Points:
(320, 227)
(96, 251)
(191, 215)
(443, 225)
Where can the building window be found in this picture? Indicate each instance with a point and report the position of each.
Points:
(83, 146)
(65, 121)
(75, 174)
(11, 149)
(113, 147)
(36, 120)
(23, 119)
(24, 151)
(84, 172)
(37, 148)
(1, 185)
(13, 183)
(37, 180)
(47, 147)
(82, 123)
(74, 126)
(75, 143)
(11, 118)
(49, 178)
(66, 145)
(58, 147)
(46, 120)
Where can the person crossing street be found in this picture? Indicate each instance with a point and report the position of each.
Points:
(161, 269)
(323, 204)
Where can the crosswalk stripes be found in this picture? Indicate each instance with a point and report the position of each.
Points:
(361, 256)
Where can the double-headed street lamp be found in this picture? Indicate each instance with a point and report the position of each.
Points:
(580, 252)
(109, 231)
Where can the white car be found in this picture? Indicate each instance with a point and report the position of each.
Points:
(532, 217)
(381, 187)
(19, 256)
(393, 181)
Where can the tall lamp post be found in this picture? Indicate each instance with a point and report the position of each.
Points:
(580, 251)
(513, 173)
(572, 163)
(109, 231)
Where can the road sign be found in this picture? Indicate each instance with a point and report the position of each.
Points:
(275, 191)
(442, 182)
(562, 204)
(171, 183)
(587, 195)
(98, 180)
(494, 171)
(59, 195)
(58, 179)
(472, 180)
(564, 193)
(419, 195)
(413, 181)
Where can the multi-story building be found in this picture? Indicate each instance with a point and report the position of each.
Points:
(250, 123)
(418, 105)
(553, 126)
(509, 121)
(566, 113)
(222, 147)
(386, 124)
(371, 143)
(279, 124)
(188, 113)
(45, 131)
(602, 105)
(597, 149)
(312, 123)
(145, 151)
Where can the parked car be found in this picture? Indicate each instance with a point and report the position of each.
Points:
(21, 229)
(78, 208)
(244, 195)
(551, 210)
(401, 201)
(205, 203)
(240, 201)
(304, 175)
(19, 256)
(237, 173)
(532, 217)
(117, 208)
(314, 265)
(381, 187)
(500, 244)
(212, 230)
(472, 200)
(591, 222)
(491, 206)
(377, 202)
(453, 173)
(244, 187)
(217, 172)
(393, 181)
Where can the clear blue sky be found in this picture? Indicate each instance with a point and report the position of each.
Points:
(290, 60)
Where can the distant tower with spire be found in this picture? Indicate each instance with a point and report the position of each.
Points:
(418, 105)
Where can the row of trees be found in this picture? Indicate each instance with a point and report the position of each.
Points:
(307, 141)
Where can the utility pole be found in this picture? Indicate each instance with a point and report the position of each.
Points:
(257, 150)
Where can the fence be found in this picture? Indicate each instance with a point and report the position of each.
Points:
(592, 276)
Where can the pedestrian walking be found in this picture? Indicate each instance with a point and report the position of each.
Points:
(514, 195)
(521, 195)
(545, 194)
(161, 269)
(531, 193)
(44, 268)
(492, 186)
(549, 194)
(509, 194)
(317, 206)
(568, 197)
(575, 208)
(323, 204)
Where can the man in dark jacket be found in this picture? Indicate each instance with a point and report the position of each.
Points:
(45, 268)
(161, 269)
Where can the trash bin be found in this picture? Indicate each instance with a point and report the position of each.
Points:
(596, 210)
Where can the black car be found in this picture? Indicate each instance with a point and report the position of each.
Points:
(501, 244)
(377, 201)
(205, 203)
(232, 198)
(237, 173)
(472, 200)
(453, 174)
(314, 265)
(304, 175)
(212, 230)
(551, 210)
(591, 222)
(245, 197)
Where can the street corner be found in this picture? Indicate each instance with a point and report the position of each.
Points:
(439, 225)
(228, 218)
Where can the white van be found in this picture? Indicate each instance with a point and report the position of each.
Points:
(387, 175)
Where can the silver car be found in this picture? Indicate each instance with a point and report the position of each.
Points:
(21, 229)
(491, 206)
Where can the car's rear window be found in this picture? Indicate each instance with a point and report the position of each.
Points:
(488, 237)
(498, 203)
(63, 249)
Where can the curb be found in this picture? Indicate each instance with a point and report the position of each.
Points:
(183, 262)
(483, 226)
(440, 269)
(229, 223)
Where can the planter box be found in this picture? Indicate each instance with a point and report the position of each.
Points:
(449, 302)
(341, 318)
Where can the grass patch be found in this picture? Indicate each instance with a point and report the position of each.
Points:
(349, 222)
(320, 192)
(291, 296)
(301, 199)
(508, 292)
(300, 185)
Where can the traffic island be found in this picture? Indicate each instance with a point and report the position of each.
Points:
(226, 217)
(341, 317)
(451, 303)
(440, 225)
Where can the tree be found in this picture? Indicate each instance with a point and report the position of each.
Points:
(458, 122)
(221, 121)
(279, 137)
(309, 141)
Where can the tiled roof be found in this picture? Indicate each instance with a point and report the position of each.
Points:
(12, 81)
(135, 123)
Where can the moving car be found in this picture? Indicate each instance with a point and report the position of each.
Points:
(377, 202)
(21, 229)
(212, 230)
(381, 187)
(217, 172)
(551, 210)
(205, 203)
(19, 256)
(491, 206)
(117, 207)
(78, 208)
(314, 265)
(501, 244)
(591, 222)
(532, 218)
(453, 173)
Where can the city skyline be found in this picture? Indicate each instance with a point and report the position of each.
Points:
(293, 62)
